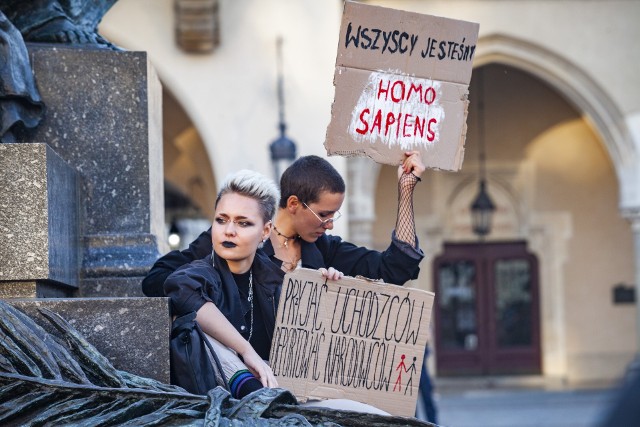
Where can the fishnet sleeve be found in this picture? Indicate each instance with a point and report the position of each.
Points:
(405, 223)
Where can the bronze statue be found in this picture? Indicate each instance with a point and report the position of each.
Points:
(58, 21)
(41, 21)
(20, 103)
(61, 379)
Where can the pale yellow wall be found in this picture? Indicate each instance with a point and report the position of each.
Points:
(574, 175)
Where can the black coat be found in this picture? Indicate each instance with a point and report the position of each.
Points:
(397, 264)
(194, 284)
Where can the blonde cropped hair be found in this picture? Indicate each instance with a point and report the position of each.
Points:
(254, 185)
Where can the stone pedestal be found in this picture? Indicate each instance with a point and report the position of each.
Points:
(82, 205)
(104, 119)
(133, 333)
(39, 221)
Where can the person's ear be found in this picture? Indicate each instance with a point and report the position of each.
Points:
(266, 231)
(293, 203)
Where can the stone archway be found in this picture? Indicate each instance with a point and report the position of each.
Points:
(186, 163)
(187, 173)
(587, 96)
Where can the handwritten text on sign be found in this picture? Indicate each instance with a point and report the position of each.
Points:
(402, 42)
(398, 110)
(360, 337)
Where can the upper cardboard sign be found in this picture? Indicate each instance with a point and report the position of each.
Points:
(351, 339)
(401, 83)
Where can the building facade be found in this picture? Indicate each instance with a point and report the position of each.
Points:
(547, 292)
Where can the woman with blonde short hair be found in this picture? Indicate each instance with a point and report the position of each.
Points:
(235, 290)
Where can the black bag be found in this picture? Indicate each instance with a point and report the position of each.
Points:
(191, 367)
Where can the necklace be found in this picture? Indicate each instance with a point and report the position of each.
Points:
(286, 238)
(250, 299)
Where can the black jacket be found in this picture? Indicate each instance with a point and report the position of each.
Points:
(397, 264)
(194, 284)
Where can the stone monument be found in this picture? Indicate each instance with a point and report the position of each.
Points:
(81, 199)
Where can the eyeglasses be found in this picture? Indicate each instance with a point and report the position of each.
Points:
(324, 222)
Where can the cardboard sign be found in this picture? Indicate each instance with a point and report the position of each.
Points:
(351, 339)
(401, 84)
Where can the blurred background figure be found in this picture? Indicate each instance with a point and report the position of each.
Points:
(426, 408)
(625, 409)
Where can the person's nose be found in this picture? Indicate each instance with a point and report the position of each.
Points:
(328, 225)
(230, 229)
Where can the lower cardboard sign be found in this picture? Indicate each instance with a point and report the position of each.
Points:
(351, 339)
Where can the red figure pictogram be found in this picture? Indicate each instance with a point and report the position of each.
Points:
(400, 368)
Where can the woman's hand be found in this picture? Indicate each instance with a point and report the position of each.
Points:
(331, 273)
(259, 367)
(412, 163)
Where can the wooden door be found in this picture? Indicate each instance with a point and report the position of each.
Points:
(487, 309)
